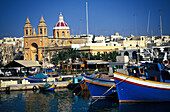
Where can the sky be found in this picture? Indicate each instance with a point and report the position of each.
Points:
(105, 17)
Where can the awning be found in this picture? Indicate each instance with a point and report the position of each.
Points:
(98, 62)
(79, 63)
(23, 63)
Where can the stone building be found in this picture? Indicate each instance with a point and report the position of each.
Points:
(11, 47)
(40, 47)
(34, 44)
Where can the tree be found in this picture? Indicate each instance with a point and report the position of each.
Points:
(113, 56)
(97, 57)
(64, 55)
(55, 59)
(74, 53)
(83, 55)
(105, 56)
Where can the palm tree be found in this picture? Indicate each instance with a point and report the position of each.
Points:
(113, 56)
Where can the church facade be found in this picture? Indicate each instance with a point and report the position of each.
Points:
(34, 44)
(40, 47)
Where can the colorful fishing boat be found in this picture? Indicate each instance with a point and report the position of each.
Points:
(47, 87)
(37, 78)
(100, 88)
(143, 85)
(74, 83)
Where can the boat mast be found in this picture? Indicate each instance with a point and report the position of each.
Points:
(138, 53)
(160, 23)
(44, 58)
(147, 28)
(87, 18)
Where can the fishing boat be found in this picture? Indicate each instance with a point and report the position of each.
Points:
(37, 78)
(100, 88)
(74, 83)
(149, 83)
(47, 87)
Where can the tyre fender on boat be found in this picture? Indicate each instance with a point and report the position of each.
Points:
(34, 87)
(165, 62)
(7, 88)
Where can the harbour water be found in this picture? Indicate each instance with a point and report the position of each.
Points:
(63, 100)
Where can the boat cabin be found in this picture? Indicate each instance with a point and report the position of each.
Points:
(137, 71)
(157, 72)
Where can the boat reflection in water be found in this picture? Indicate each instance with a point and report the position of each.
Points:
(103, 105)
(63, 100)
(144, 107)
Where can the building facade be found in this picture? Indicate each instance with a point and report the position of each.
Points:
(34, 44)
(40, 47)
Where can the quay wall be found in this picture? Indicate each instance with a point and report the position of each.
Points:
(28, 86)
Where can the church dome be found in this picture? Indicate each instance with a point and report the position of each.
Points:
(61, 24)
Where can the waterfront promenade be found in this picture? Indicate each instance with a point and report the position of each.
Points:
(32, 86)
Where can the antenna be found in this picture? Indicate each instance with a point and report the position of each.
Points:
(87, 17)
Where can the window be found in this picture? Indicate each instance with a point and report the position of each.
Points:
(57, 34)
(26, 32)
(62, 34)
(45, 30)
(40, 31)
(30, 32)
(141, 70)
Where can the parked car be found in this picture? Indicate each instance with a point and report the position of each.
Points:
(1, 73)
(7, 73)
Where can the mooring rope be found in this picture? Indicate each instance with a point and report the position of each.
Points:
(86, 85)
(109, 90)
(76, 86)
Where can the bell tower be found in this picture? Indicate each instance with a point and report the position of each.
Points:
(42, 27)
(28, 28)
(35, 44)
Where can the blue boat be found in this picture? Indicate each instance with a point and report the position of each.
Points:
(47, 87)
(100, 88)
(143, 85)
(37, 78)
(74, 83)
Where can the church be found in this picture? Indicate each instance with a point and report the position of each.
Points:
(40, 47)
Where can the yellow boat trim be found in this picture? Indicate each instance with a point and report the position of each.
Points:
(142, 79)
